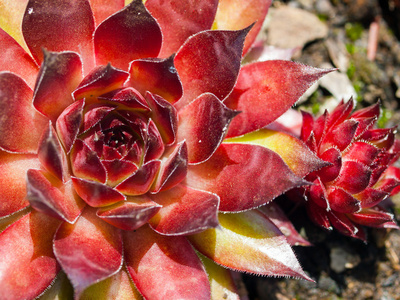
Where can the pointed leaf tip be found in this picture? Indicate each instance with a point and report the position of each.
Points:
(260, 85)
(209, 61)
(266, 248)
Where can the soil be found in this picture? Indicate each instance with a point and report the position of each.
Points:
(342, 267)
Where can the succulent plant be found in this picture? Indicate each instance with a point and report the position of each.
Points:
(122, 174)
(347, 194)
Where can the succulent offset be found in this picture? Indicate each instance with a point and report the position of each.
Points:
(346, 195)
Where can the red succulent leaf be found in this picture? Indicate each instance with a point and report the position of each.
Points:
(387, 184)
(318, 194)
(362, 152)
(177, 265)
(342, 223)
(131, 98)
(237, 173)
(86, 164)
(96, 194)
(61, 203)
(221, 280)
(275, 214)
(374, 216)
(164, 116)
(340, 136)
(16, 60)
(94, 114)
(131, 33)
(68, 124)
(203, 125)
(101, 80)
(393, 172)
(140, 182)
(372, 111)
(308, 124)
(237, 14)
(209, 61)
(17, 114)
(173, 169)
(118, 286)
(364, 125)
(130, 214)
(134, 154)
(299, 158)
(267, 251)
(371, 197)
(354, 176)
(59, 76)
(157, 76)
(12, 184)
(102, 9)
(73, 30)
(176, 216)
(153, 143)
(89, 250)
(340, 113)
(179, 20)
(329, 173)
(318, 215)
(342, 202)
(260, 85)
(28, 265)
(118, 170)
(52, 155)
(381, 137)
(320, 127)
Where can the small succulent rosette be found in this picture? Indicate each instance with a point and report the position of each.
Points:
(346, 195)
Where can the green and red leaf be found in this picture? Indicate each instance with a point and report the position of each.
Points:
(244, 176)
(267, 251)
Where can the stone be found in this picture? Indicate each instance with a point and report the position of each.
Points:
(297, 26)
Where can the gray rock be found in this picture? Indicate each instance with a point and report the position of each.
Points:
(297, 26)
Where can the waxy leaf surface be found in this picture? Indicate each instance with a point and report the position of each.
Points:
(60, 203)
(221, 281)
(179, 20)
(270, 86)
(184, 211)
(28, 265)
(294, 152)
(244, 176)
(177, 265)
(156, 76)
(72, 31)
(209, 62)
(130, 34)
(59, 76)
(15, 59)
(203, 124)
(13, 186)
(89, 250)
(17, 114)
(251, 233)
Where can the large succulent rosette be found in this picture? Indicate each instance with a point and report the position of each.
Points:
(346, 195)
(113, 165)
